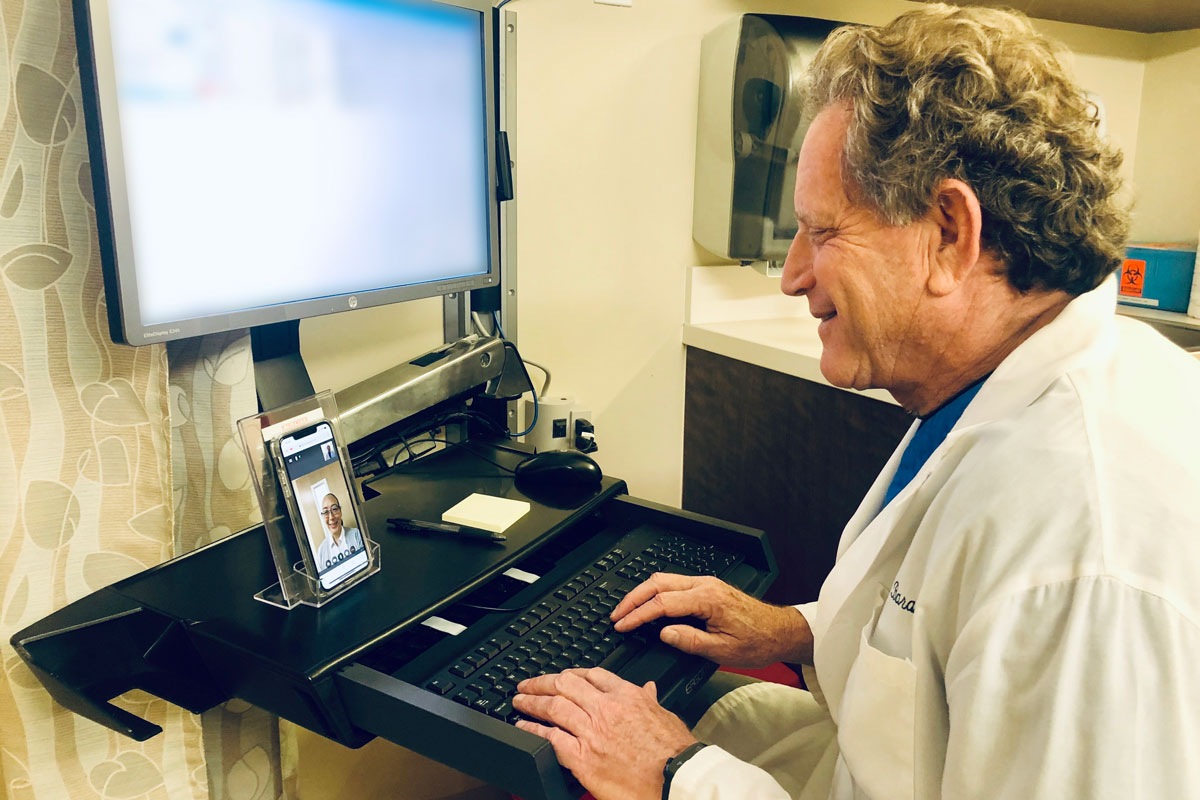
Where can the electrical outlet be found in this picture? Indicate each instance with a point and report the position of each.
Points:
(553, 423)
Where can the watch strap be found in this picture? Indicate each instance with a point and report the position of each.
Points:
(675, 762)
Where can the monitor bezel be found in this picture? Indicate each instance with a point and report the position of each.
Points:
(102, 123)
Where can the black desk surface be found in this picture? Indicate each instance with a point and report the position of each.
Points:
(212, 588)
(190, 631)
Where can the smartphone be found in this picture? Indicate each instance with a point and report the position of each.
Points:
(319, 493)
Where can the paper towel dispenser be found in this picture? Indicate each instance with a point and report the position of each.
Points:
(748, 134)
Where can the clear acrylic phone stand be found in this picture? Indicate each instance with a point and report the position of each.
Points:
(283, 529)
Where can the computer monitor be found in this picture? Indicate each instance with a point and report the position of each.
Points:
(260, 161)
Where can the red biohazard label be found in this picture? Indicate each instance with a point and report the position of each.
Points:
(1133, 277)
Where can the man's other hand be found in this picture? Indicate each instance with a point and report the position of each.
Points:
(739, 631)
(613, 735)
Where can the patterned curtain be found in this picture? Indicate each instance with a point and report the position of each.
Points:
(85, 479)
(211, 387)
(105, 468)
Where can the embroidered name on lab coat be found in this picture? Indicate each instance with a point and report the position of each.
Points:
(908, 605)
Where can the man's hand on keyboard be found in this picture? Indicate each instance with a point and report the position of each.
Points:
(739, 631)
(613, 735)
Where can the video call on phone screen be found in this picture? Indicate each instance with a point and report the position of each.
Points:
(311, 461)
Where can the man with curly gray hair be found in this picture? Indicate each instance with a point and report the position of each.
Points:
(1014, 611)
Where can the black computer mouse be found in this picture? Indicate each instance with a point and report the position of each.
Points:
(557, 471)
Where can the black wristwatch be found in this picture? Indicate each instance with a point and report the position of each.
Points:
(675, 762)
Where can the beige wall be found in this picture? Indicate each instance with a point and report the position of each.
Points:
(607, 127)
(342, 349)
(1167, 173)
(605, 152)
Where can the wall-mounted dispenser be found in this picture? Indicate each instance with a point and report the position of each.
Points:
(748, 135)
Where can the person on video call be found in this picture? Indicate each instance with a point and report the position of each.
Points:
(339, 541)
(1014, 613)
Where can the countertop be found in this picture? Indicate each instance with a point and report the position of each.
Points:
(737, 313)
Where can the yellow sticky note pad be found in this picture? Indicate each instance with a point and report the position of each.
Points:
(484, 511)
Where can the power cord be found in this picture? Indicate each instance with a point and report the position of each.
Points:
(533, 422)
(408, 449)
(480, 456)
(496, 323)
(375, 454)
(478, 323)
(546, 385)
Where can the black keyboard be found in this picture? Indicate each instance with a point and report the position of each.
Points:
(569, 626)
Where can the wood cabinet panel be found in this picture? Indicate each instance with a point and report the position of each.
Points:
(783, 454)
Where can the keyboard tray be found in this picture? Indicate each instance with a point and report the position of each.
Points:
(386, 697)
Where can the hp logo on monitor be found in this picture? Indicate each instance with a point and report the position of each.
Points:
(353, 301)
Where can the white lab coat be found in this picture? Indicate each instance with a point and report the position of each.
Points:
(1023, 620)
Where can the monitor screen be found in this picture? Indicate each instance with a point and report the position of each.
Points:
(267, 160)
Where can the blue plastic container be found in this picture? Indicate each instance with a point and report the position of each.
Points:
(1158, 276)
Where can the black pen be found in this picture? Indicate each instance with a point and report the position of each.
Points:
(420, 526)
